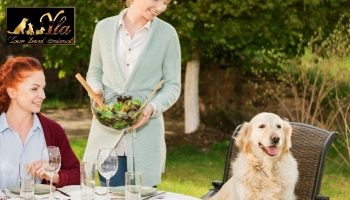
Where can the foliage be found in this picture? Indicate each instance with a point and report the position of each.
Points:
(232, 31)
(224, 118)
(313, 87)
(71, 59)
(226, 31)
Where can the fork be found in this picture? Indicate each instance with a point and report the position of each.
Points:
(6, 195)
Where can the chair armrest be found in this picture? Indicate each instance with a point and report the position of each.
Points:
(217, 186)
(321, 197)
(211, 192)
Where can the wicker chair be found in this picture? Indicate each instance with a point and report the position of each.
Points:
(309, 147)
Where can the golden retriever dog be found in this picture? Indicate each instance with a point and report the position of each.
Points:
(264, 168)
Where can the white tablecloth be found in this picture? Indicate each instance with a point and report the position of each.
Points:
(74, 192)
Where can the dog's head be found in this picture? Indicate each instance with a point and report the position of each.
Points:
(266, 135)
(24, 20)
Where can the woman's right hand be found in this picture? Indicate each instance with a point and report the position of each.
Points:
(99, 93)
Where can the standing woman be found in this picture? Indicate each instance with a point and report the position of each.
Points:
(131, 53)
(24, 132)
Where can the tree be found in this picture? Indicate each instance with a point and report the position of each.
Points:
(217, 30)
(213, 29)
(69, 59)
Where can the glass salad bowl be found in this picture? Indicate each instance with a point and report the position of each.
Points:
(121, 115)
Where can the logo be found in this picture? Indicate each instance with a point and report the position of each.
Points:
(43, 26)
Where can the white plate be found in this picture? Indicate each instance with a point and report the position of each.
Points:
(145, 191)
(38, 189)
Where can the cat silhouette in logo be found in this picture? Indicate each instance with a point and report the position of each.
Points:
(30, 30)
(40, 32)
(20, 28)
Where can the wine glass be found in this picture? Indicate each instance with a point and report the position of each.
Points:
(107, 164)
(50, 163)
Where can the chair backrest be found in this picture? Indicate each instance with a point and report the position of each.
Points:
(309, 147)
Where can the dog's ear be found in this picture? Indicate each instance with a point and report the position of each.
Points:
(287, 129)
(242, 138)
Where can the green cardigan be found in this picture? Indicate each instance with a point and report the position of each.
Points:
(161, 59)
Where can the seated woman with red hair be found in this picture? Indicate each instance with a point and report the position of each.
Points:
(24, 132)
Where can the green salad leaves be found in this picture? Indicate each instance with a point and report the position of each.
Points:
(120, 115)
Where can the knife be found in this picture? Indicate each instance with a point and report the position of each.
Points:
(65, 194)
(150, 197)
(4, 191)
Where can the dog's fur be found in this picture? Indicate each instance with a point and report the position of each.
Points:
(264, 169)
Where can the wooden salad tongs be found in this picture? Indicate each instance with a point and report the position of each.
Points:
(89, 90)
(149, 97)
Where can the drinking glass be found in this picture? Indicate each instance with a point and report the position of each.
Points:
(133, 185)
(27, 176)
(50, 163)
(107, 164)
(87, 180)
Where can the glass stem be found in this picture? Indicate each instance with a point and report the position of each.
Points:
(51, 187)
(107, 181)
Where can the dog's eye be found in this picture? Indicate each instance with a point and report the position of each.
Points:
(262, 126)
(278, 126)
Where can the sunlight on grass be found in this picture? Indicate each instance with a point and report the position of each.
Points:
(336, 180)
(190, 171)
(336, 186)
(78, 146)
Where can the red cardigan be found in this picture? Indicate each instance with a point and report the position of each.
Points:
(56, 136)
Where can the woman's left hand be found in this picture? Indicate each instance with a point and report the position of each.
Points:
(42, 175)
(146, 114)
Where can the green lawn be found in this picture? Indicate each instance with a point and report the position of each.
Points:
(190, 171)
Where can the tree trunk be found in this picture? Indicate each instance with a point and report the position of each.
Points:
(191, 94)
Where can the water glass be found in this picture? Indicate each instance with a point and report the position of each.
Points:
(87, 180)
(27, 176)
(107, 165)
(133, 185)
(51, 163)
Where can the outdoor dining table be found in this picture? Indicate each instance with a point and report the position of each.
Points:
(74, 192)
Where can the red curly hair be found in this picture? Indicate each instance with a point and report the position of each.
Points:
(13, 72)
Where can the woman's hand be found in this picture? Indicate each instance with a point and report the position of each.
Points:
(99, 93)
(41, 174)
(146, 114)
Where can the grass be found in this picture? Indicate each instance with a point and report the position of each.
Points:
(336, 179)
(190, 171)
(59, 104)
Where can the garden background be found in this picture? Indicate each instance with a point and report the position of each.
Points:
(239, 58)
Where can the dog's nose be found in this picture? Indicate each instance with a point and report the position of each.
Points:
(275, 139)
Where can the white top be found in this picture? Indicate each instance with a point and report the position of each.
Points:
(13, 152)
(128, 51)
(75, 194)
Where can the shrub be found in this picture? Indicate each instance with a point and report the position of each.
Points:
(313, 86)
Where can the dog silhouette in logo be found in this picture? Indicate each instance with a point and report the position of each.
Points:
(30, 30)
(40, 31)
(20, 28)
